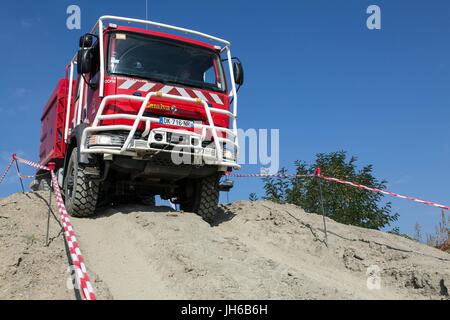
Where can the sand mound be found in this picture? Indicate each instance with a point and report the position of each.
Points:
(255, 250)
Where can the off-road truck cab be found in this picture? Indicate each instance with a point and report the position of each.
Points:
(149, 113)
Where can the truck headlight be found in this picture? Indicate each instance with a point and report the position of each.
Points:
(105, 140)
(227, 154)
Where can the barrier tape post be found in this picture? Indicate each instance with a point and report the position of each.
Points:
(18, 172)
(48, 215)
(318, 174)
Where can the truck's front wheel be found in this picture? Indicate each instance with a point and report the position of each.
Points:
(81, 193)
(203, 198)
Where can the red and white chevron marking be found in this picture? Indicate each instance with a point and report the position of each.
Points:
(30, 163)
(6, 170)
(145, 87)
(81, 276)
(353, 184)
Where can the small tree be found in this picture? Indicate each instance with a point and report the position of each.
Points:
(276, 188)
(442, 232)
(417, 232)
(342, 203)
(397, 232)
(253, 197)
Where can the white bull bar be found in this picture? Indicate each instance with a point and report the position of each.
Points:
(125, 149)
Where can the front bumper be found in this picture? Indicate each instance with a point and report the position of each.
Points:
(176, 141)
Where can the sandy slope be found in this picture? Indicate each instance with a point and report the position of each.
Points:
(254, 250)
(28, 268)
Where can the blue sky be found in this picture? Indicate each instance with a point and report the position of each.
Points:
(313, 70)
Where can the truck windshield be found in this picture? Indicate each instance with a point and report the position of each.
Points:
(166, 61)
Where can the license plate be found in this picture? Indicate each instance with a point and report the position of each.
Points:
(177, 122)
(209, 152)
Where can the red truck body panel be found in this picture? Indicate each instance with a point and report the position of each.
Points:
(52, 146)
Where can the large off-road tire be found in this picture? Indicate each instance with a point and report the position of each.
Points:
(205, 198)
(40, 184)
(80, 192)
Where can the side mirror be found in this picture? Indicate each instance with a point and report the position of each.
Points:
(238, 72)
(84, 60)
(86, 41)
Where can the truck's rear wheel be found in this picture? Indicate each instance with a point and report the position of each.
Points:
(81, 193)
(43, 184)
(204, 199)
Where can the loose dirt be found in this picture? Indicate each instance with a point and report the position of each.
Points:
(254, 250)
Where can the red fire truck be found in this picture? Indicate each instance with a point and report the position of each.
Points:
(150, 112)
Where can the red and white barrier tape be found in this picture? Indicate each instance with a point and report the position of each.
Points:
(263, 175)
(81, 276)
(80, 269)
(30, 163)
(353, 184)
(6, 170)
(360, 186)
(25, 177)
